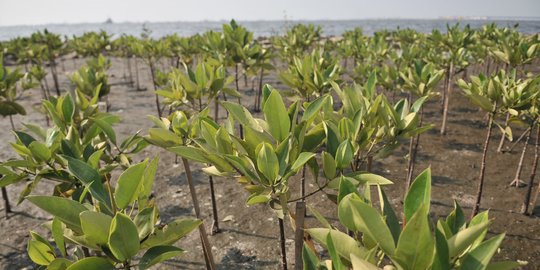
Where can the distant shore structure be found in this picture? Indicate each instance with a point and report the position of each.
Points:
(109, 21)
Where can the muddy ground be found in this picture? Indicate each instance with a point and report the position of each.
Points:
(249, 238)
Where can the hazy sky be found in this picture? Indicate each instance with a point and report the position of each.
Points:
(16, 12)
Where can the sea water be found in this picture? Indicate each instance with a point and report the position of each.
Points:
(263, 28)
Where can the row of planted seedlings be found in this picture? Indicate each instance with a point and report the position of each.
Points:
(391, 51)
(313, 134)
(314, 78)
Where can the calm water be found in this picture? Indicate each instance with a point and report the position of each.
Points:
(260, 28)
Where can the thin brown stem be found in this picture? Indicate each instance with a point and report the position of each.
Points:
(215, 223)
(518, 140)
(202, 230)
(526, 200)
(299, 234)
(303, 183)
(7, 205)
(413, 150)
(483, 166)
(158, 106)
(516, 182)
(503, 137)
(446, 100)
(282, 244)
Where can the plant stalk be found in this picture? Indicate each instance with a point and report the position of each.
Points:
(516, 181)
(7, 205)
(447, 98)
(525, 206)
(209, 259)
(483, 165)
(282, 244)
(299, 235)
(503, 137)
(158, 106)
(215, 223)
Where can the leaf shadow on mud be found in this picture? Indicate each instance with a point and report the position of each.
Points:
(235, 259)
(199, 178)
(472, 123)
(460, 146)
(172, 212)
(25, 215)
(439, 180)
(17, 259)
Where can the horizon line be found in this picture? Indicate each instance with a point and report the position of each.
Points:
(454, 18)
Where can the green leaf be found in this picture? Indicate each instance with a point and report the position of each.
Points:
(90, 179)
(66, 210)
(390, 216)
(344, 154)
(95, 226)
(441, 260)
(419, 193)
(158, 254)
(92, 263)
(145, 221)
(242, 115)
(171, 233)
(40, 151)
(329, 165)
(123, 237)
(479, 257)
(163, 137)
(129, 185)
(336, 261)
(301, 160)
(148, 181)
(24, 138)
(345, 245)
(465, 238)
(311, 262)
(356, 215)
(315, 107)
(107, 128)
(267, 162)
(39, 252)
(456, 219)
(416, 244)
(190, 153)
(68, 108)
(8, 107)
(59, 264)
(276, 116)
(370, 179)
(346, 187)
(361, 264)
(57, 230)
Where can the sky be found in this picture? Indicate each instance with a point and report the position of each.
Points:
(35, 12)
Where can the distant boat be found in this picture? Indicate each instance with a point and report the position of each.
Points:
(109, 21)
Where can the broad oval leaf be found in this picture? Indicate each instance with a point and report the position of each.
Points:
(276, 116)
(95, 226)
(419, 193)
(356, 215)
(92, 263)
(123, 237)
(267, 162)
(66, 210)
(158, 254)
(171, 233)
(416, 244)
(129, 185)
